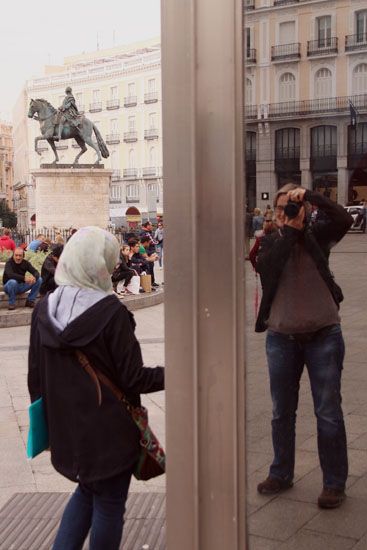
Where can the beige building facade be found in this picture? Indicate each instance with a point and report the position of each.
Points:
(120, 91)
(306, 65)
(6, 164)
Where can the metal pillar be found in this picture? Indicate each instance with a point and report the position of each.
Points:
(204, 250)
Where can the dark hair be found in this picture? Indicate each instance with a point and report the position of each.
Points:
(6, 231)
(57, 249)
(145, 224)
(132, 241)
(145, 239)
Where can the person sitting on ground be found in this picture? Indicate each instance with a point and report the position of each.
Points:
(93, 442)
(19, 277)
(137, 261)
(6, 242)
(150, 257)
(35, 244)
(257, 221)
(122, 272)
(49, 268)
(45, 245)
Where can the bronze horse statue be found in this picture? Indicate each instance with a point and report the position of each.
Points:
(47, 117)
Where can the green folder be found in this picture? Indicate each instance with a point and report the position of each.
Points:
(38, 430)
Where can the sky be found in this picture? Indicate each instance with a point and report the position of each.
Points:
(34, 33)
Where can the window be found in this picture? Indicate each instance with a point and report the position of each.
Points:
(357, 139)
(114, 92)
(152, 121)
(287, 32)
(287, 143)
(287, 87)
(359, 81)
(132, 191)
(248, 41)
(131, 89)
(131, 123)
(323, 141)
(323, 31)
(323, 83)
(96, 96)
(361, 26)
(248, 92)
(250, 151)
(151, 85)
(114, 126)
(116, 192)
(132, 158)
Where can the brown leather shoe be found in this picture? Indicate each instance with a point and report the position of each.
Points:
(331, 498)
(11, 307)
(272, 486)
(29, 304)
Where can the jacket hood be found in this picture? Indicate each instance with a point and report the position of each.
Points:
(80, 331)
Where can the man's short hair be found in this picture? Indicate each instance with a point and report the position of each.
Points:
(284, 190)
(145, 239)
(7, 232)
(19, 248)
(39, 235)
(145, 224)
(132, 241)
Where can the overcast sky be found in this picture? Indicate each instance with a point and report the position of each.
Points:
(34, 33)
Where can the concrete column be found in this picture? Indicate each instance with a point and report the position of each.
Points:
(306, 174)
(204, 314)
(343, 180)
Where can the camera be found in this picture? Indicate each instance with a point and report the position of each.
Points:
(291, 209)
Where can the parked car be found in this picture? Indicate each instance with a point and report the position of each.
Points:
(357, 213)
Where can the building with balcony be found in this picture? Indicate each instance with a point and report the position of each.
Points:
(120, 91)
(6, 164)
(310, 67)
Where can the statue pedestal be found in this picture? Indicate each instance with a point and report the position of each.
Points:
(72, 197)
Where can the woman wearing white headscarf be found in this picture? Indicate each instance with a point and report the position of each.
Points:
(95, 445)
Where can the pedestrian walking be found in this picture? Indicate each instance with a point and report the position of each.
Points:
(93, 438)
(158, 237)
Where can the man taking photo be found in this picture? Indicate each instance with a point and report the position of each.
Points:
(300, 311)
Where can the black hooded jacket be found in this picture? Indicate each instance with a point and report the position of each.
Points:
(89, 442)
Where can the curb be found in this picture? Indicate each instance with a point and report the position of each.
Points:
(22, 316)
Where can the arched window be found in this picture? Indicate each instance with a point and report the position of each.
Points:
(287, 87)
(248, 92)
(360, 79)
(287, 143)
(323, 83)
(131, 158)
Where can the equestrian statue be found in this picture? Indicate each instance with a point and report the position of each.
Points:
(66, 123)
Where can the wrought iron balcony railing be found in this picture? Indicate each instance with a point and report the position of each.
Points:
(286, 52)
(315, 106)
(150, 172)
(250, 55)
(288, 152)
(95, 107)
(130, 136)
(151, 97)
(356, 42)
(322, 46)
(112, 104)
(61, 146)
(152, 133)
(249, 4)
(324, 150)
(116, 175)
(130, 101)
(113, 138)
(283, 2)
(130, 173)
(250, 112)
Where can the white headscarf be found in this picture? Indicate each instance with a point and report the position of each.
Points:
(88, 260)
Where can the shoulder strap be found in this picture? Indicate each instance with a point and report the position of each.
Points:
(98, 376)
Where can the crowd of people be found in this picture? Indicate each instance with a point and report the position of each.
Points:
(137, 257)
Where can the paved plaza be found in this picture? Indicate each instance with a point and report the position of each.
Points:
(288, 522)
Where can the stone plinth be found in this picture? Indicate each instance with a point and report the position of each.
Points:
(72, 197)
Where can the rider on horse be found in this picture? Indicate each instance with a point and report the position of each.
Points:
(68, 112)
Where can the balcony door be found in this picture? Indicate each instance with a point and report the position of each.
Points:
(287, 32)
(361, 26)
(323, 31)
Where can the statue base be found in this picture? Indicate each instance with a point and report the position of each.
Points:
(73, 166)
(69, 197)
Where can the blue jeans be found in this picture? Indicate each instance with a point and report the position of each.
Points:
(12, 288)
(98, 507)
(323, 358)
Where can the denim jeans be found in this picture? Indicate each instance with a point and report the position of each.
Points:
(12, 288)
(323, 358)
(98, 507)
